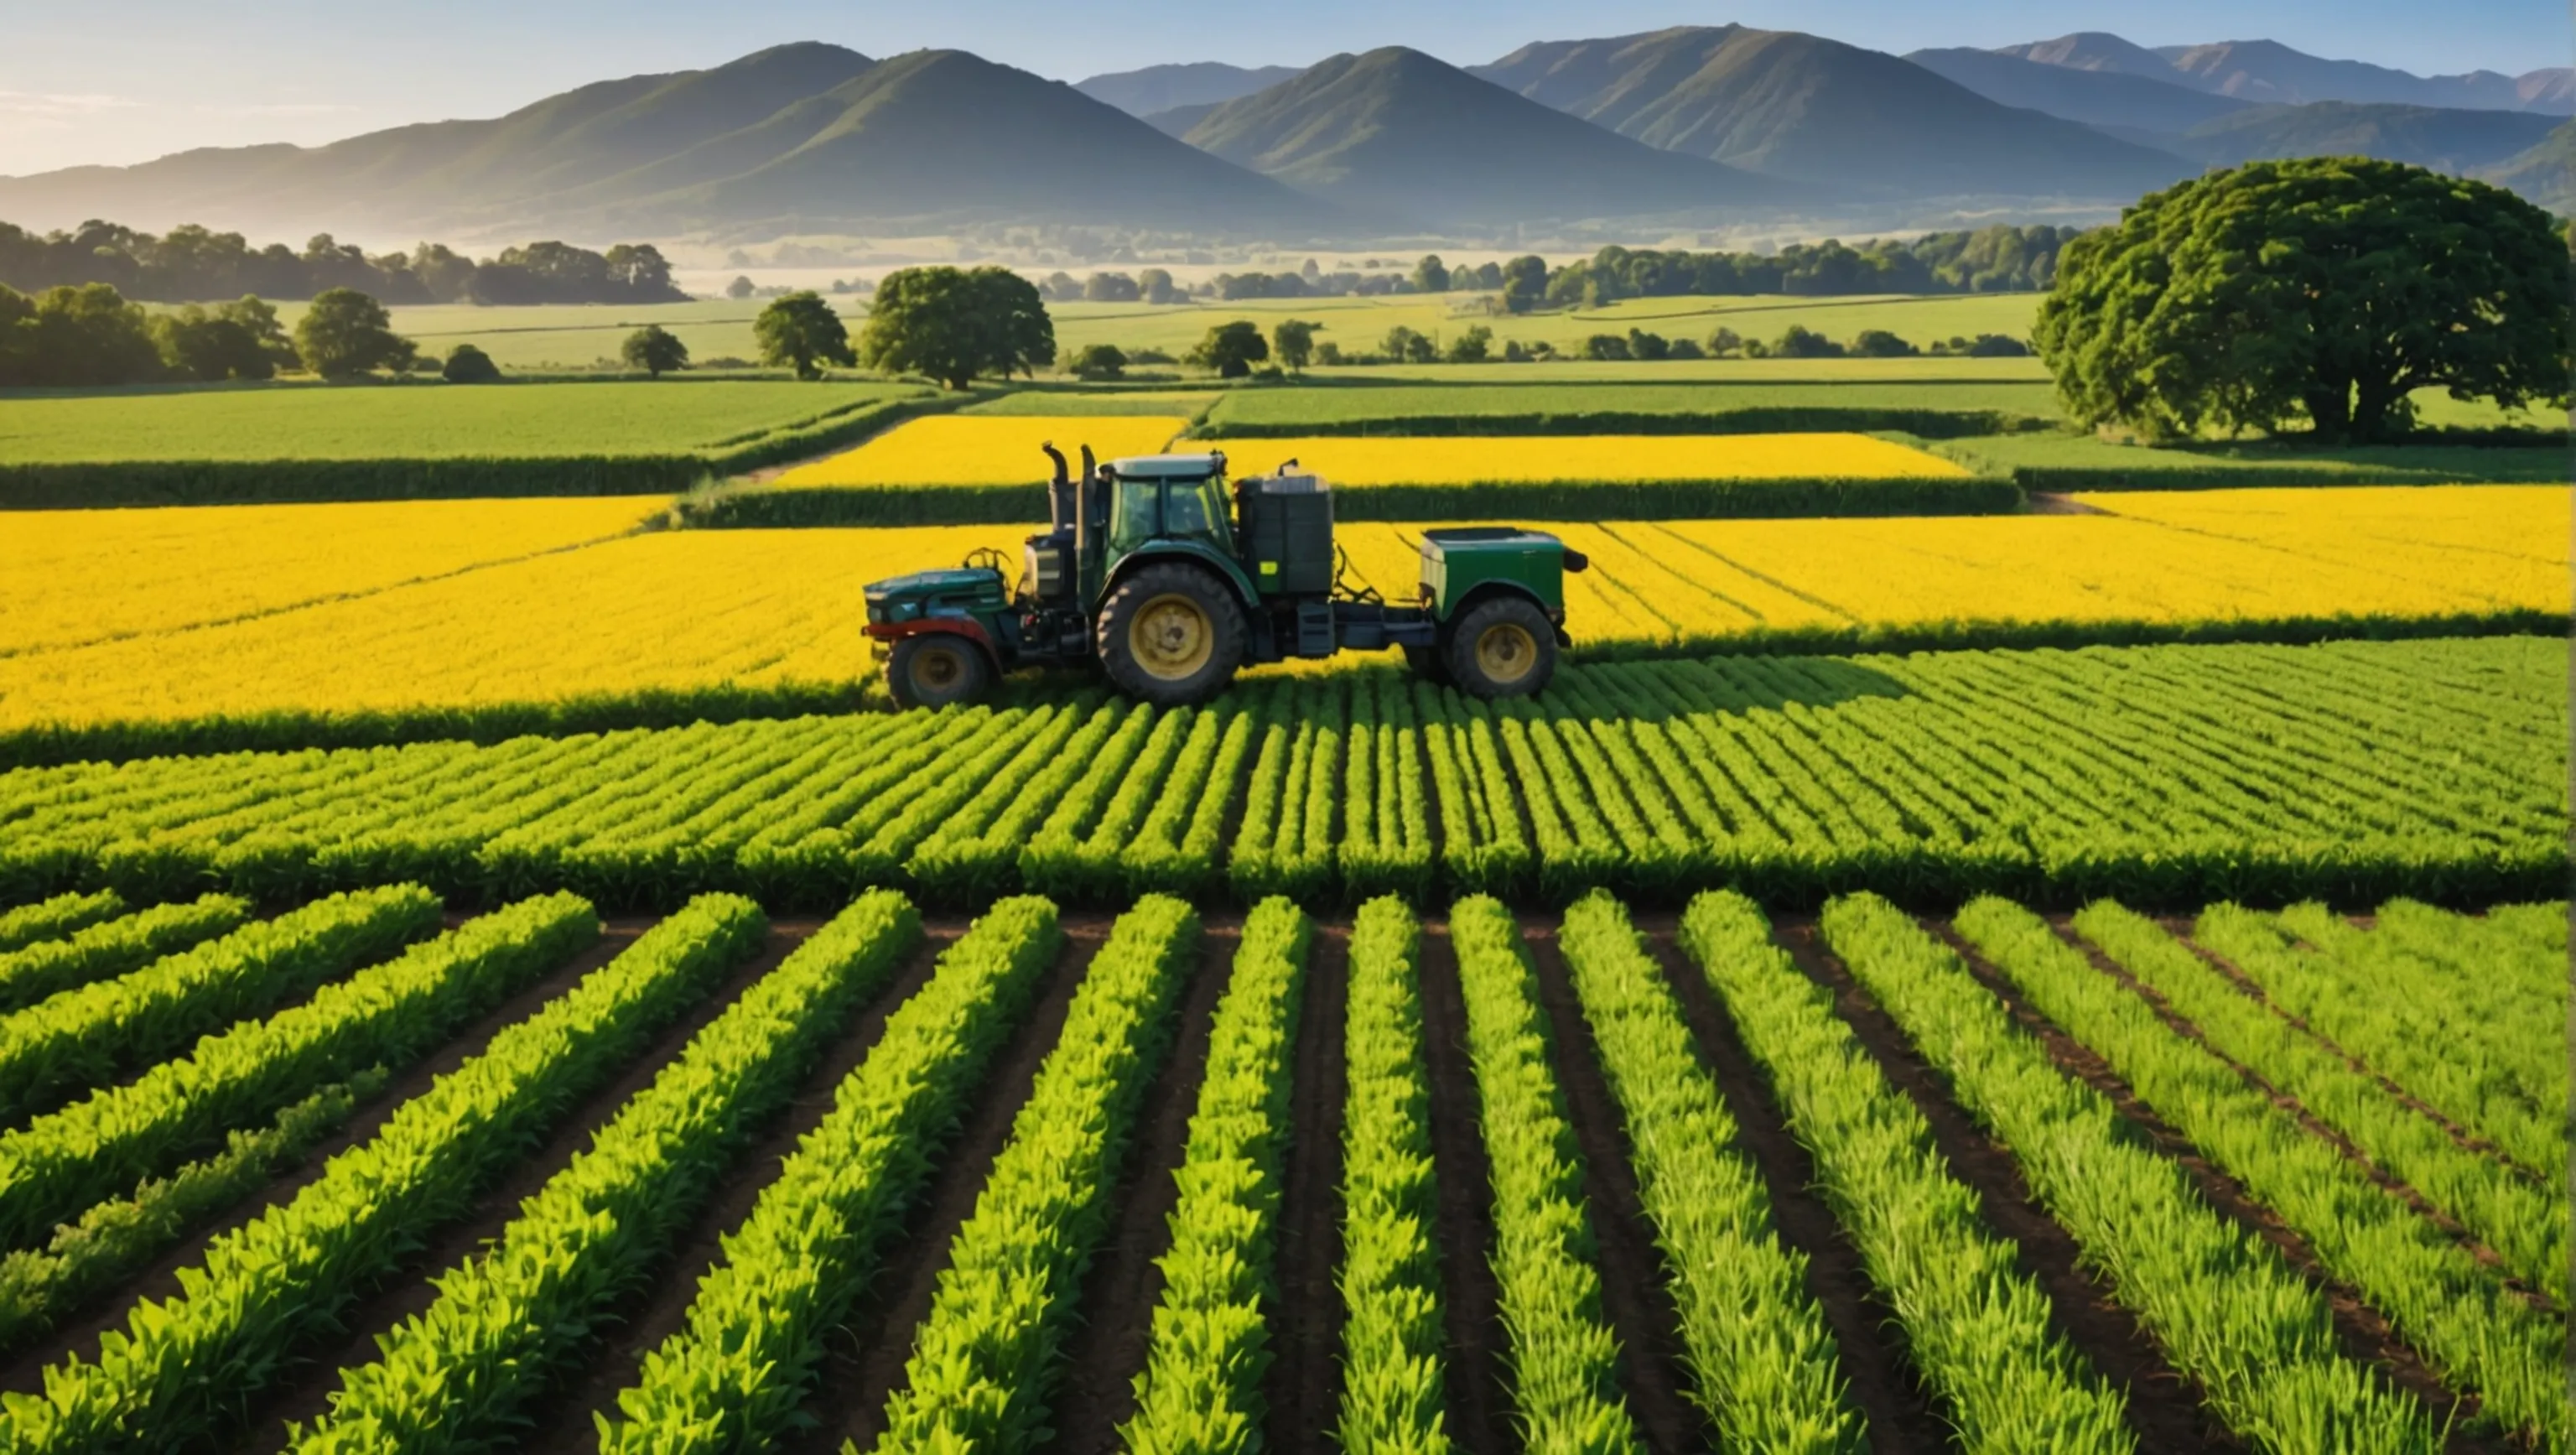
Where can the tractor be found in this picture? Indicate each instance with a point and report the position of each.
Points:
(1156, 572)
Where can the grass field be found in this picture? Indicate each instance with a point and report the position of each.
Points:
(758, 620)
(1363, 462)
(415, 421)
(1500, 402)
(2053, 461)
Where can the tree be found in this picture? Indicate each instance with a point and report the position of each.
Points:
(1098, 362)
(258, 318)
(1156, 285)
(655, 350)
(1605, 346)
(2324, 289)
(75, 336)
(1231, 349)
(1723, 343)
(740, 287)
(1802, 342)
(1644, 345)
(208, 347)
(1524, 284)
(1993, 346)
(467, 364)
(801, 330)
(1110, 288)
(954, 324)
(1474, 346)
(344, 333)
(1430, 275)
(1878, 343)
(1293, 341)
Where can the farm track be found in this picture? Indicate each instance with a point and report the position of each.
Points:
(1105, 1345)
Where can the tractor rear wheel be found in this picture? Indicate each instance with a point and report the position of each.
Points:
(1504, 647)
(1429, 663)
(936, 669)
(1171, 635)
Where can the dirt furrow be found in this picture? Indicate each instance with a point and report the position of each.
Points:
(1303, 1385)
(1477, 1388)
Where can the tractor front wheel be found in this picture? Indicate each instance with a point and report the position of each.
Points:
(936, 669)
(1171, 635)
(1505, 647)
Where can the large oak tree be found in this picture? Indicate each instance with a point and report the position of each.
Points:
(2322, 289)
(953, 324)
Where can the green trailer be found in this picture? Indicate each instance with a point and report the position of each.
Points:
(1170, 578)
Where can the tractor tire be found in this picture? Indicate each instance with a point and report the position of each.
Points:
(1429, 663)
(936, 669)
(1171, 635)
(1504, 647)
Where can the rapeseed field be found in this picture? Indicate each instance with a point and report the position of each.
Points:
(1469, 460)
(985, 449)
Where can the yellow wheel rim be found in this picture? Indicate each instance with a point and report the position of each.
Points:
(936, 669)
(1506, 653)
(1171, 637)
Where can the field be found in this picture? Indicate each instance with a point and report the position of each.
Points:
(1746, 402)
(2082, 462)
(592, 636)
(1365, 463)
(988, 449)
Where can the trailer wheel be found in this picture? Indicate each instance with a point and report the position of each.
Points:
(1505, 647)
(936, 669)
(1171, 635)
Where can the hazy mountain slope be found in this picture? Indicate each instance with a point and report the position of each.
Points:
(1400, 133)
(2094, 50)
(1177, 120)
(1198, 83)
(1817, 111)
(2096, 98)
(2546, 174)
(2271, 73)
(2448, 140)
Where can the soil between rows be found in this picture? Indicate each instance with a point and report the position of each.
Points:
(304, 1396)
(1476, 1384)
(1303, 1385)
(80, 1338)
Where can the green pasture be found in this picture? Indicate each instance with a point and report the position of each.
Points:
(424, 420)
(1352, 403)
(1045, 399)
(2057, 461)
(579, 336)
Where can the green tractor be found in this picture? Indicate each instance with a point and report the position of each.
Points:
(1155, 571)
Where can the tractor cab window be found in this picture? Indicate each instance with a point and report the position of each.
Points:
(1149, 508)
(1196, 508)
(1135, 516)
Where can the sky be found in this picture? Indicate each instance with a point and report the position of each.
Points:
(120, 81)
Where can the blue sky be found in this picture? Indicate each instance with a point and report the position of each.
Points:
(119, 81)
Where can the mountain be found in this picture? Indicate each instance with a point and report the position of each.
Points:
(1398, 133)
(799, 137)
(2445, 139)
(1817, 111)
(2546, 174)
(2269, 72)
(1200, 83)
(1178, 120)
(2103, 98)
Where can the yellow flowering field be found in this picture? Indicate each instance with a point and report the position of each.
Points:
(73, 576)
(1362, 461)
(983, 449)
(756, 609)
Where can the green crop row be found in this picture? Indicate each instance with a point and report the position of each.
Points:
(2226, 1309)
(731, 1378)
(91, 1035)
(2522, 1219)
(41, 1287)
(983, 1360)
(179, 1375)
(2436, 1035)
(1392, 1336)
(2480, 1335)
(112, 948)
(1563, 1356)
(458, 1375)
(1209, 1340)
(2162, 776)
(389, 1015)
(1978, 1327)
(49, 919)
(1762, 1363)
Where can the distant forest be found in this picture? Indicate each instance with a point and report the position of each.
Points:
(194, 264)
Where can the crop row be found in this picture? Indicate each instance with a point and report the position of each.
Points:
(42, 966)
(2172, 775)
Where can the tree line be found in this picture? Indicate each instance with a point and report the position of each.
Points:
(191, 263)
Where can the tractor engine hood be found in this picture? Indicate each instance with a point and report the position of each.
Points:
(955, 591)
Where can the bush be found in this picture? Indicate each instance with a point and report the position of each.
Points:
(344, 333)
(1682, 348)
(1605, 346)
(1878, 343)
(467, 364)
(1996, 346)
(1801, 342)
(1097, 362)
(1650, 346)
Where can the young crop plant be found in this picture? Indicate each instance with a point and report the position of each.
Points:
(1978, 1327)
(457, 1375)
(2227, 1309)
(1063, 858)
(1762, 1362)
(2524, 1222)
(89, 1036)
(115, 1240)
(174, 1379)
(977, 852)
(733, 1376)
(1200, 1392)
(983, 1361)
(390, 1015)
(49, 919)
(1563, 1355)
(1392, 1336)
(2479, 1335)
(113, 947)
(1176, 850)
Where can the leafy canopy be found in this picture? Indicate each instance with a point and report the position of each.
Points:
(954, 324)
(345, 333)
(655, 350)
(2322, 289)
(801, 329)
(1231, 349)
